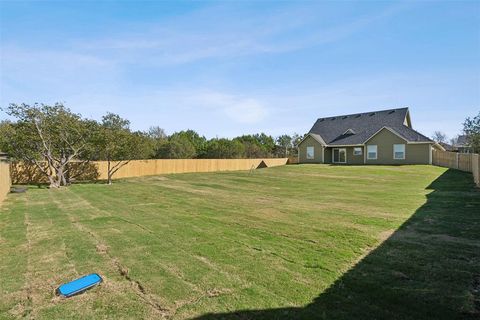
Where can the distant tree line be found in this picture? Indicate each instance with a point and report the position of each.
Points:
(51, 137)
(189, 144)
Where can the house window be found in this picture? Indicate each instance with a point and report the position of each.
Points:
(372, 152)
(357, 151)
(398, 151)
(310, 153)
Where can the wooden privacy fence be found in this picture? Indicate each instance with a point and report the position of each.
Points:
(469, 162)
(139, 168)
(292, 160)
(5, 181)
(26, 174)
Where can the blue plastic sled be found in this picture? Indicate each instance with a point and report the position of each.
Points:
(79, 285)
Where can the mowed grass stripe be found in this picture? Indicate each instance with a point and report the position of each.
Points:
(179, 246)
(13, 249)
(170, 246)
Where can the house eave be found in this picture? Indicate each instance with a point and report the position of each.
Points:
(313, 135)
(343, 145)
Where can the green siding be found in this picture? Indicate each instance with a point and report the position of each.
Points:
(351, 159)
(328, 155)
(385, 139)
(302, 149)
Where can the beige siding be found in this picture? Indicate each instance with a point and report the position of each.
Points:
(385, 139)
(317, 149)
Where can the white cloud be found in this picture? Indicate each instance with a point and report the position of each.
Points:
(237, 108)
(198, 35)
(176, 108)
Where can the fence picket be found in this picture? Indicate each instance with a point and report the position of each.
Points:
(22, 174)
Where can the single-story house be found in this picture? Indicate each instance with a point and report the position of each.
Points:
(376, 137)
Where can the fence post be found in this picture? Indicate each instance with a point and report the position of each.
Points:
(458, 156)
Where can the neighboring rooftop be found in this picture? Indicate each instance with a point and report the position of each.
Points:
(447, 146)
(461, 141)
(356, 128)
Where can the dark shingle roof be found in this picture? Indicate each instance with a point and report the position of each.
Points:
(334, 129)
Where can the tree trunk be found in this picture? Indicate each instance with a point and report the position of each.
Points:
(109, 173)
(53, 184)
(64, 179)
(60, 172)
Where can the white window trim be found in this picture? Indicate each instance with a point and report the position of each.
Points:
(358, 154)
(376, 152)
(333, 157)
(404, 151)
(313, 156)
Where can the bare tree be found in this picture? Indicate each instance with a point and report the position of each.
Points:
(157, 133)
(454, 140)
(439, 136)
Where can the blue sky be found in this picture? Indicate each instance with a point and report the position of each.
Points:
(229, 68)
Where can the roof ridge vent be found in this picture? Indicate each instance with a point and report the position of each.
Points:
(372, 114)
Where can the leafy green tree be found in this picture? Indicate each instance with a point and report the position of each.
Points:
(224, 149)
(253, 149)
(257, 145)
(285, 143)
(177, 147)
(158, 138)
(296, 139)
(198, 142)
(471, 127)
(117, 145)
(48, 137)
(267, 142)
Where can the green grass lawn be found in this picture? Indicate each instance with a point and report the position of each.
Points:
(304, 241)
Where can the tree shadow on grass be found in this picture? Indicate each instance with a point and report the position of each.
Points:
(428, 269)
(28, 173)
